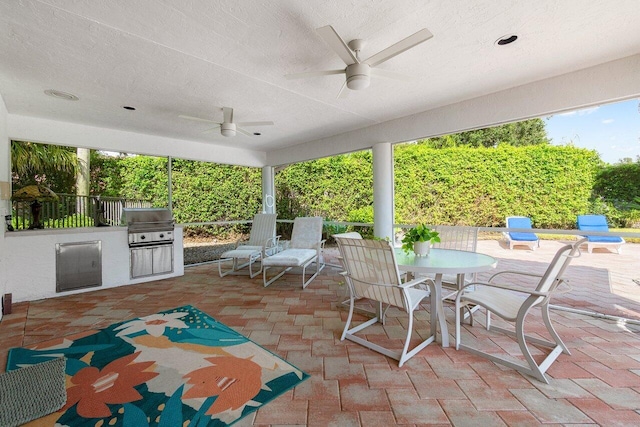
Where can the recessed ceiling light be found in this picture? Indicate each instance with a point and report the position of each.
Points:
(508, 39)
(257, 133)
(126, 107)
(61, 95)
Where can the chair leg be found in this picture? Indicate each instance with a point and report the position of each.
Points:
(349, 317)
(236, 266)
(403, 355)
(458, 311)
(522, 342)
(319, 267)
(266, 281)
(554, 335)
(251, 262)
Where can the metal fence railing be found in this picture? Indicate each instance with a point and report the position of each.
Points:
(71, 211)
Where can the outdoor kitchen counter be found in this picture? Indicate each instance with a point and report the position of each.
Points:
(30, 257)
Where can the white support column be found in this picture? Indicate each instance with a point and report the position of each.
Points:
(170, 183)
(5, 194)
(268, 190)
(383, 207)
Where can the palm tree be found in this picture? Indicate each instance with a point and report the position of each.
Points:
(31, 161)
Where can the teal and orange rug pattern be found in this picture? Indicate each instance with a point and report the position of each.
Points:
(174, 368)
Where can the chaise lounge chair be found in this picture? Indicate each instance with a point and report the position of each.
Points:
(262, 243)
(598, 223)
(519, 238)
(304, 249)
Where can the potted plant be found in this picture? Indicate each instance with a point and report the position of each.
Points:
(419, 240)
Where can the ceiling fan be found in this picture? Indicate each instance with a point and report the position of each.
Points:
(228, 127)
(358, 73)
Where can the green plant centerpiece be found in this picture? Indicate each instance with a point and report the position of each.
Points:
(419, 239)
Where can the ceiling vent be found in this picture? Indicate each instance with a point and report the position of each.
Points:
(61, 95)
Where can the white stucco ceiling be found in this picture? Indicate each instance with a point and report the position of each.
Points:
(168, 58)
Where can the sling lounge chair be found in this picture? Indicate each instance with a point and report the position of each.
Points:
(262, 243)
(305, 248)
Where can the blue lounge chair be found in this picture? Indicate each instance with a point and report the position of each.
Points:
(598, 223)
(515, 238)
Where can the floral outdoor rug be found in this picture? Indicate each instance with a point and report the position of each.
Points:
(174, 368)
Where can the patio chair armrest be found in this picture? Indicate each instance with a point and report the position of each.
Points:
(520, 273)
(271, 246)
(506, 287)
(416, 282)
(272, 242)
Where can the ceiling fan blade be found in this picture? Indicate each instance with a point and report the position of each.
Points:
(254, 124)
(227, 114)
(343, 93)
(396, 49)
(244, 132)
(196, 118)
(338, 45)
(211, 129)
(313, 74)
(392, 75)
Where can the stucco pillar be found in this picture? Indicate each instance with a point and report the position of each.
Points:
(268, 190)
(170, 183)
(383, 207)
(5, 193)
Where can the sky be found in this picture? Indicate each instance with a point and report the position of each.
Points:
(612, 130)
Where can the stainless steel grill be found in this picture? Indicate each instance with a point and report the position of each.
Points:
(150, 233)
(148, 226)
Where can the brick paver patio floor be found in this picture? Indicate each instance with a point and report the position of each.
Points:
(353, 386)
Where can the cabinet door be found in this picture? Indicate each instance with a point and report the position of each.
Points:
(163, 259)
(141, 262)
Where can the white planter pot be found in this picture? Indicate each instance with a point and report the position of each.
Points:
(421, 248)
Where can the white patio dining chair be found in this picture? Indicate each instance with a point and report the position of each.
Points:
(372, 273)
(262, 243)
(460, 238)
(344, 298)
(305, 248)
(513, 304)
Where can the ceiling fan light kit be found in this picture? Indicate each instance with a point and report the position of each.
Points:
(228, 129)
(358, 76)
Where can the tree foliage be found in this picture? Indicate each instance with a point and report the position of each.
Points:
(519, 134)
(51, 165)
(619, 183)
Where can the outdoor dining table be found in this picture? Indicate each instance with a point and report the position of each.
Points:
(440, 262)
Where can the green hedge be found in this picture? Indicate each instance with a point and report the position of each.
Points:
(201, 191)
(331, 187)
(461, 186)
